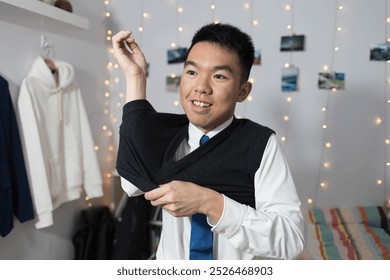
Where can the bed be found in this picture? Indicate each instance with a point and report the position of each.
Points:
(355, 233)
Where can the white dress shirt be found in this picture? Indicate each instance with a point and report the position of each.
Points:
(274, 230)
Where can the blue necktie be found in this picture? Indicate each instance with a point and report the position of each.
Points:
(201, 242)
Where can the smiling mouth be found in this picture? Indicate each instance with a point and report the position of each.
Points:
(201, 104)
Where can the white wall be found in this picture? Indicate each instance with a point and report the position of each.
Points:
(357, 155)
(86, 51)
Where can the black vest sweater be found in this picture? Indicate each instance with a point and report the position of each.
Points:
(227, 163)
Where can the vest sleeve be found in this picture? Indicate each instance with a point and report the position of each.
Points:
(131, 163)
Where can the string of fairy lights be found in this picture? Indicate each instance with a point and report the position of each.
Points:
(114, 98)
(289, 8)
(386, 115)
(179, 12)
(325, 163)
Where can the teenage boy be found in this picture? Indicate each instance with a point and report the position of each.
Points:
(238, 182)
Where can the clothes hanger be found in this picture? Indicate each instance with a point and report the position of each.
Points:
(49, 51)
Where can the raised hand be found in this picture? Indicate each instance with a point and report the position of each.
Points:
(132, 61)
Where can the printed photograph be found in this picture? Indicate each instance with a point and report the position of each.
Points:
(257, 58)
(292, 43)
(176, 55)
(380, 52)
(290, 78)
(172, 83)
(331, 80)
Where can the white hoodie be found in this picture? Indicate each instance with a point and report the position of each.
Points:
(58, 144)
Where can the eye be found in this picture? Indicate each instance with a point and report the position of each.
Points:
(219, 77)
(191, 72)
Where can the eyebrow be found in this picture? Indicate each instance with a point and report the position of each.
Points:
(218, 67)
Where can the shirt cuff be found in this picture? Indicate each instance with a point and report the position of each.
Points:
(231, 219)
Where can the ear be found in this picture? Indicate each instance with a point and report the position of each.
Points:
(245, 90)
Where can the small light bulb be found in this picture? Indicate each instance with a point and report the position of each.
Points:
(173, 45)
(387, 141)
(289, 99)
(146, 15)
(324, 126)
(325, 67)
(283, 138)
(180, 9)
(286, 118)
(339, 29)
(336, 49)
(255, 22)
(176, 103)
(250, 98)
(326, 165)
(180, 29)
(309, 200)
(323, 109)
(140, 29)
(247, 5)
(212, 6)
(289, 26)
(379, 182)
(287, 7)
(328, 145)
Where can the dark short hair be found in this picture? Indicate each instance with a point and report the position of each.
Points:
(231, 38)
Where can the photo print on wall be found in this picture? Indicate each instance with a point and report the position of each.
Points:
(257, 58)
(172, 83)
(380, 52)
(331, 80)
(290, 78)
(292, 43)
(176, 55)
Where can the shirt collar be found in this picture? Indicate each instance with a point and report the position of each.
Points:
(194, 133)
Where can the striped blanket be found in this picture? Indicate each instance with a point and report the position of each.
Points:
(347, 234)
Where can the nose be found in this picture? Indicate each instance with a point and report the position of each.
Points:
(203, 86)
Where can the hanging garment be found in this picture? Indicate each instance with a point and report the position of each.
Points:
(95, 235)
(15, 196)
(59, 147)
(132, 230)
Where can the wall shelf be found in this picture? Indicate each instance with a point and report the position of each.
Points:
(39, 15)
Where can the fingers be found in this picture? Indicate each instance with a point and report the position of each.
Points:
(155, 194)
(123, 38)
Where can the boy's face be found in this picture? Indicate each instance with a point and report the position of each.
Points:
(211, 85)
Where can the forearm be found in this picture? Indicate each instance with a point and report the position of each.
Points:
(272, 233)
(135, 88)
(212, 205)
